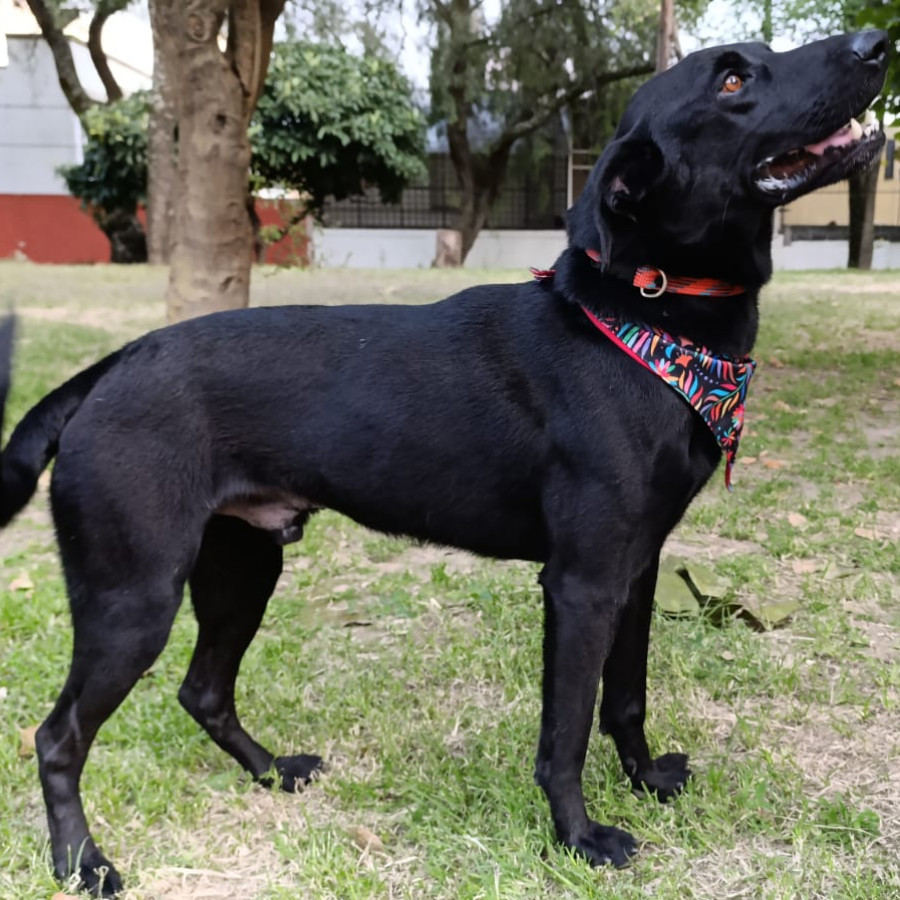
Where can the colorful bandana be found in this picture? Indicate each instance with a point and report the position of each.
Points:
(715, 386)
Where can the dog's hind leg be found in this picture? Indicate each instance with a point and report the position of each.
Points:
(231, 583)
(118, 635)
(624, 705)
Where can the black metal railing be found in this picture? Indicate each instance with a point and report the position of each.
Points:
(533, 196)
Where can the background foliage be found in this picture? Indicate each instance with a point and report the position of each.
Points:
(332, 123)
(113, 174)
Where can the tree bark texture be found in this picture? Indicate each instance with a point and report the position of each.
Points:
(863, 188)
(217, 91)
(162, 159)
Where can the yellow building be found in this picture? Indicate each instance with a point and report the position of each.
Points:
(824, 213)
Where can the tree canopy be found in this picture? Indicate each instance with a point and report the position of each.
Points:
(329, 123)
(519, 69)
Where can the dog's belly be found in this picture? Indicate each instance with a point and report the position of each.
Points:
(282, 515)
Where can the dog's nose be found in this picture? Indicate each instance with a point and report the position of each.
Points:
(870, 46)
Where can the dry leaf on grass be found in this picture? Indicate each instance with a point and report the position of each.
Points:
(774, 463)
(805, 566)
(22, 583)
(366, 839)
(59, 895)
(26, 741)
(868, 533)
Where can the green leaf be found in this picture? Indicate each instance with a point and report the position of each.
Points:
(705, 582)
(674, 596)
(768, 614)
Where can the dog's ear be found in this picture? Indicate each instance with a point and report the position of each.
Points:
(607, 209)
(628, 170)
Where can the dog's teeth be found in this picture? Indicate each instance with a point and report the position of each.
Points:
(870, 123)
(856, 130)
(869, 118)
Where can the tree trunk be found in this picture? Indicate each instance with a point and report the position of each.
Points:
(664, 35)
(162, 159)
(480, 188)
(217, 92)
(472, 219)
(127, 242)
(863, 187)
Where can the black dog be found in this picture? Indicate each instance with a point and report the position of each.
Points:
(500, 420)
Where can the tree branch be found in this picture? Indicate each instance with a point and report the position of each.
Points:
(62, 57)
(269, 11)
(524, 126)
(251, 27)
(95, 46)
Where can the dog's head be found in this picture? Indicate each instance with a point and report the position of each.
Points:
(708, 149)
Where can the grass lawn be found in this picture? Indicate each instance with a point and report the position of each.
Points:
(415, 670)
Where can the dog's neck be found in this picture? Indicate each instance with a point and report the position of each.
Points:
(726, 325)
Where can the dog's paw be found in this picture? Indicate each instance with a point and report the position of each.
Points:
(666, 777)
(604, 845)
(297, 771)
(96, 876)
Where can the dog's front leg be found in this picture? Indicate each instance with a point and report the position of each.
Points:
(624, 704)
(580, 618)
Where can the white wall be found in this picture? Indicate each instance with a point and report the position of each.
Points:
(38, 130)
(413, 248)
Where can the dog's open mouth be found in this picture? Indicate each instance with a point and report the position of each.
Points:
(791, 174)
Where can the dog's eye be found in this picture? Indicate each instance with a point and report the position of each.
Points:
(732, 83)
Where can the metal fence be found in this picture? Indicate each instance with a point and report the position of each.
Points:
(533, 196)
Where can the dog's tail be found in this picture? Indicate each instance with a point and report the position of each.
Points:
(36, 438)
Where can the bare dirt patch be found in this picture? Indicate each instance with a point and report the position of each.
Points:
(241, 834)
(714, 548)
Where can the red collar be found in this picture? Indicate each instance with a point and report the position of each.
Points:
(654, 282)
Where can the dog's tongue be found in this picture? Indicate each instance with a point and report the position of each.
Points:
(843, 136)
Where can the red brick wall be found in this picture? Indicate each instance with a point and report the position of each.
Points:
(54, 229)
(49, 229)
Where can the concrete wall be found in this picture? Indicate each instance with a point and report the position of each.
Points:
(388, 248)
(829, 255)
(413, 248)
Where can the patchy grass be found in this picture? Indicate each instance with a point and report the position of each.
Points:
(416, 669)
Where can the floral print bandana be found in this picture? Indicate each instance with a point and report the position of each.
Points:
(715, 386)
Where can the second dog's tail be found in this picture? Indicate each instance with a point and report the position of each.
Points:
(36, 438)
